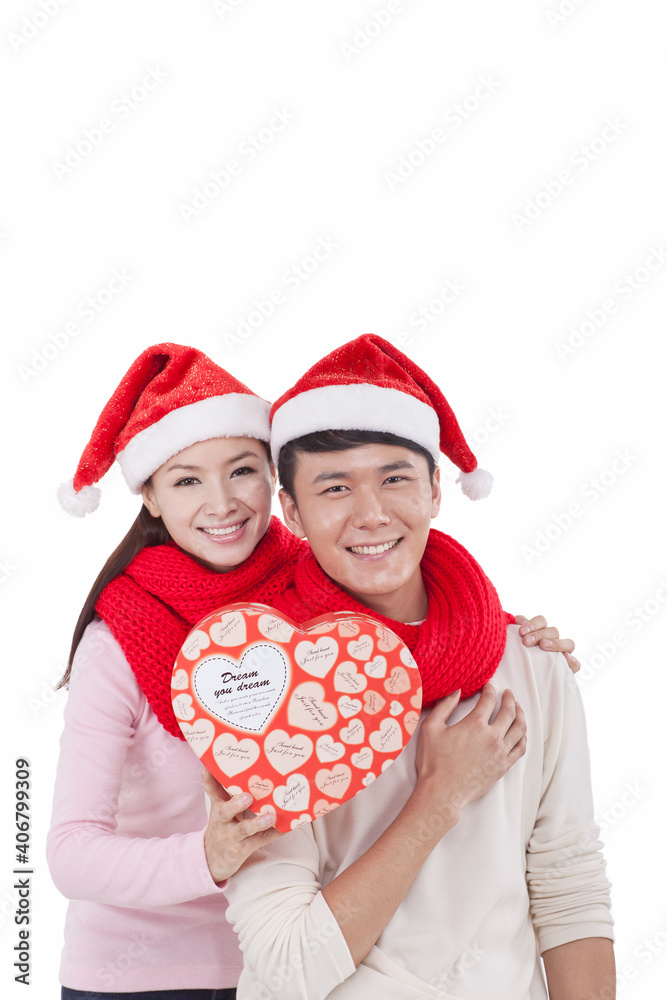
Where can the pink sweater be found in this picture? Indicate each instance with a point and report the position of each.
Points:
(126, 841)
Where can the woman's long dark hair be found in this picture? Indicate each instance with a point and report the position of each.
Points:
(146, 530)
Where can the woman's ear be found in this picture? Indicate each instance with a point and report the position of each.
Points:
(149, 499)
(274, 478)
(291, 514)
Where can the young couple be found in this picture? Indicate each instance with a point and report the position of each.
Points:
(439, 879)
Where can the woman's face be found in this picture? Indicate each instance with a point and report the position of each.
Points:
(215, 499)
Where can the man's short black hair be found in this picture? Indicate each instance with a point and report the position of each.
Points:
(336, 440)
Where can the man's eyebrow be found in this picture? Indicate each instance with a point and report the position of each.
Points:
(395, 466)
(324, 477)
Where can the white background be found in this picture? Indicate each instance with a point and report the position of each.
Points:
(552, 426)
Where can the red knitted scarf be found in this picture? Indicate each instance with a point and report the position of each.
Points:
(460, 643)
(163, 593)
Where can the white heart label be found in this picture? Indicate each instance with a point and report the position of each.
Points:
(230, 630)
(274, 628)
(335, 781)
(180, 680)
(348, 680)
(387, 739)
(407, 658)
(348, 706)
(328, 750)
(199, 735)
(195, 642)
(363, 759)
(317, 658)
(307, 708)
(233, 756)
(377, 667)
(182, 706)
(386, 640)
(243, 693)
(285, 752)
(354, 733)
(294, 795)
(301, 821)
(361, 648)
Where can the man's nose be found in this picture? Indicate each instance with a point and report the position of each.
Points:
(369, 510)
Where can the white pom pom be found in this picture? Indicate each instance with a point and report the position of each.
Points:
(79, 504)
(476, 484)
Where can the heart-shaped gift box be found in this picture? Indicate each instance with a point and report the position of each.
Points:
(303, 717)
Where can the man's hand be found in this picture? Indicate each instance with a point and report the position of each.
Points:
(535, 630)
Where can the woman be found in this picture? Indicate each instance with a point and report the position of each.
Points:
(131, 844)
(130, 840)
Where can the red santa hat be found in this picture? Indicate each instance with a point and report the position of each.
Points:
(171, 397)
(368, 384)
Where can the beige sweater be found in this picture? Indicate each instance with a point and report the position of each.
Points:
(520, 873)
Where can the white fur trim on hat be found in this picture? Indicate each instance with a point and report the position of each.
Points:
(233, 415)
(476, 484)
(78, 504)
(356, 407)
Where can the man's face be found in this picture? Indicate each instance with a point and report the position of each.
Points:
(366, 513)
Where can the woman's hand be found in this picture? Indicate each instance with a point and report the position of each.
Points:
(232, 833)
(459, 763)
(536, 630)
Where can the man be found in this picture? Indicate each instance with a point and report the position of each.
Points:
(475, 850)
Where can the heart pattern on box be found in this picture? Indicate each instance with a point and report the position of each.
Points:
(302, 717)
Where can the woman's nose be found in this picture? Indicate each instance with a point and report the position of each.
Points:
(220, 500)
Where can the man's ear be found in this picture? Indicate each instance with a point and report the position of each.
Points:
(436, 493)
(291, 514)
(149, 500)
